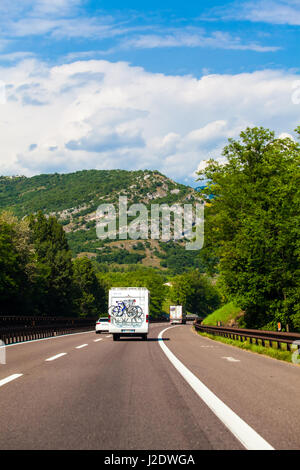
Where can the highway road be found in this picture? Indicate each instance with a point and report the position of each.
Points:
(84, 391)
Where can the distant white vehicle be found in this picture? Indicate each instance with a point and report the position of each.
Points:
(177, 314)
(102, 325)
(128, 312)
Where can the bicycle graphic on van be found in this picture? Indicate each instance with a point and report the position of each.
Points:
(126, 311)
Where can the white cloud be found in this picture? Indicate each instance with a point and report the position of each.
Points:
(202, 165)
(265, 11)
(15, 56)
(60, 19)
(38, 7)
(193, 37)
(285, 135)
(279, 12)
(58, 28)
(98, 114)
(56, 18)
(60, 7)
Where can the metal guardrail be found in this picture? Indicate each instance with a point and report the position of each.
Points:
(15, 329)
(254, 336)
(194, 318)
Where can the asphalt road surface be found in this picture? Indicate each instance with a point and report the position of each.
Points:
(85, 391)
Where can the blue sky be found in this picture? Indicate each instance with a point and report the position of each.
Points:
(209, 68)
(178, 38)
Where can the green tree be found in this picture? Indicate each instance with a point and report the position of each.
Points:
(16, 266)
(252, 226)
(54, 291)
(195, 292)
(9, 267)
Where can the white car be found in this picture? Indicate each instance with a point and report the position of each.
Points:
(102, 325)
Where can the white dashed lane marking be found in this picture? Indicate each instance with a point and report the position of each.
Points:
(9, 379)
(55, 357)
(81, 346)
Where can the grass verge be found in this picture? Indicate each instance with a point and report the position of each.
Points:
(279, 354)
(224, 314)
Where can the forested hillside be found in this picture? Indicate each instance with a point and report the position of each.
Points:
(75, 195)
(74, 198)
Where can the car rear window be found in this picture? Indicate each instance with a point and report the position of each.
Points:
(103, 320)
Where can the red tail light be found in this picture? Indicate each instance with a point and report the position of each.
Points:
(108, 318)
(147, 318)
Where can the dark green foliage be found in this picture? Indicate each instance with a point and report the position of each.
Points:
(84, 241)
(122, 256)
(177, 259)
(139, 246)
(10, 268)
(16, 266)
(195, 292)
(64, 221)
(90, 224)
(252, 227)
(54, 286)
(90, 294)
(37, 274)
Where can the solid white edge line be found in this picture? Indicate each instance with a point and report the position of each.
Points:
(50, 337)
(250, 439)
(81, 346)
(55, 357)
(9, 379)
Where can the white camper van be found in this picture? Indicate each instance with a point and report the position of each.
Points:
(177, 314)
(128, 312)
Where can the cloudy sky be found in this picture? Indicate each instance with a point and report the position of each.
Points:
(157, 85)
